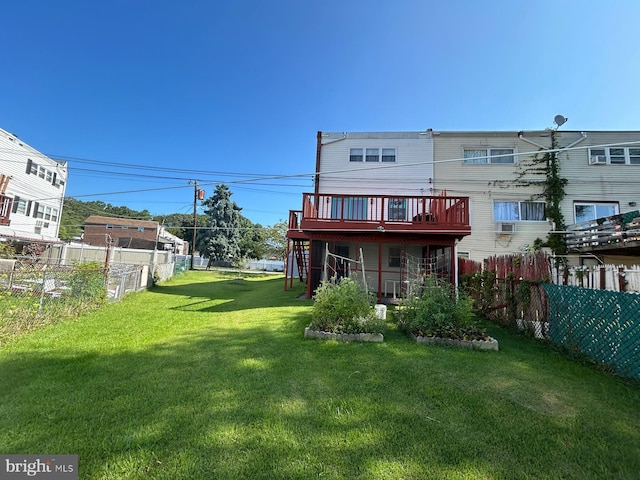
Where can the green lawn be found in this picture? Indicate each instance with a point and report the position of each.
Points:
(207, 377)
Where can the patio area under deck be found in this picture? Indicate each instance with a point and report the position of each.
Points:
(381, 221)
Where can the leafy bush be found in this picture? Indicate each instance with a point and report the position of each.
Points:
(344, 307)
(87, 283)
(439, 312)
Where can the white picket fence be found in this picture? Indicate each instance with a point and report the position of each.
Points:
(617, 278)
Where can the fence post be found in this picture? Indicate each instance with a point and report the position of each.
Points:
(603, 278)
(621, 280)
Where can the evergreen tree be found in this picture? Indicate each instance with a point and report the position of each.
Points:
(220, 239)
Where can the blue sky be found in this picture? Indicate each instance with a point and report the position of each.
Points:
(235, 91)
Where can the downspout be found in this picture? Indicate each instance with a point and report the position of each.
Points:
(316, 179)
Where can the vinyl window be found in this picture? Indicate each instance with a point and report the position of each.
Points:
(615, 155)
(480, 156)
(585, 212)
(518, 211)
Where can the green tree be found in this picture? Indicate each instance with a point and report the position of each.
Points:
(252, 239)
(276, 240)
(220, 239)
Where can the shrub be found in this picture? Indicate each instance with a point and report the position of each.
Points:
(87, 283)
(438, 312)
(344, 307)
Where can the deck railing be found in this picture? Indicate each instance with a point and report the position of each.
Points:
(384, 212)
(613, 231)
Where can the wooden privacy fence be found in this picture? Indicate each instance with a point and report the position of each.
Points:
(602, 324)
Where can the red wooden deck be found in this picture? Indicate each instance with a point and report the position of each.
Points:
(441, 215)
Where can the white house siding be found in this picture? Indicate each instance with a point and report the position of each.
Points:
(486, 183)
(47, 192)
(410, 174)
(598, 183)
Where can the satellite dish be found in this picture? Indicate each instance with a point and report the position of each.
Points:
(559, 120)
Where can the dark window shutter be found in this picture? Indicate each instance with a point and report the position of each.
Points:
(15, 204)
(53, 180)
(28, 210)
(35, 209)
(29, 162)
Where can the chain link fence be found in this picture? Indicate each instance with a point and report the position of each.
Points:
(34, 293)
(601, 324)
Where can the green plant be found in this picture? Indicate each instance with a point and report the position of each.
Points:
(7, 250)
(344, 307)
(440, 311)
(87, 282)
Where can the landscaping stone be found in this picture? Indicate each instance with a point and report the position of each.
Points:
(491, 344)
(344, 337)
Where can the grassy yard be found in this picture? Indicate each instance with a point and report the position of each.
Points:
(207, 377)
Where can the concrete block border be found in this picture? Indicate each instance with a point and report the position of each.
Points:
(344, 337)
(491, 344)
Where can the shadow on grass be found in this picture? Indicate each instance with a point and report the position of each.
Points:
(264, 403)
(221, 400)
(224, 295)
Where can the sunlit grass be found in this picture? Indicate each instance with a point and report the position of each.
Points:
(209, 377)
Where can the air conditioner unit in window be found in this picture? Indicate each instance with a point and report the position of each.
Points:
(597, 160)
(505, 228)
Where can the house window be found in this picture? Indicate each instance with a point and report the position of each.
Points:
(42, 172)
(54, 215)
(585, 212)
(47, 213)
(615, 156)
(373, 155)
(39, 212)
(388, 154)
(518, 211)
(109, 225)
(124, 227)
(398, 209)
(349, 208)
(34, 168)
(356, 155)
(395, 257)
(49, 177)
(478, 156)
(141, 229)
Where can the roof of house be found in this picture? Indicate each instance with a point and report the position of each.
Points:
(99, 220)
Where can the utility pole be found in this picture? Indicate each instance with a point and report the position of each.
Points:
(195, 222)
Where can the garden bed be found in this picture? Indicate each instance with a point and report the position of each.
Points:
(344, 337)
(489, 344)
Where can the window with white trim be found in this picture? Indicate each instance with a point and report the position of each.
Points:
(356, 155)
(387, 155)
(479, 156)
(587, 211)
(615, 155)
(518, 211)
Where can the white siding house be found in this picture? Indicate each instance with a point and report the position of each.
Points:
(33, 188)
(373, 209)
(602, 170)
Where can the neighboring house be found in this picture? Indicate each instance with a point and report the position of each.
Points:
(121, 232)
(32, 188)
(168, 241)
(374, 204)
(602, 170)
(409, 197)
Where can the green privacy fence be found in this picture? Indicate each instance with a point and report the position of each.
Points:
(602, 324)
